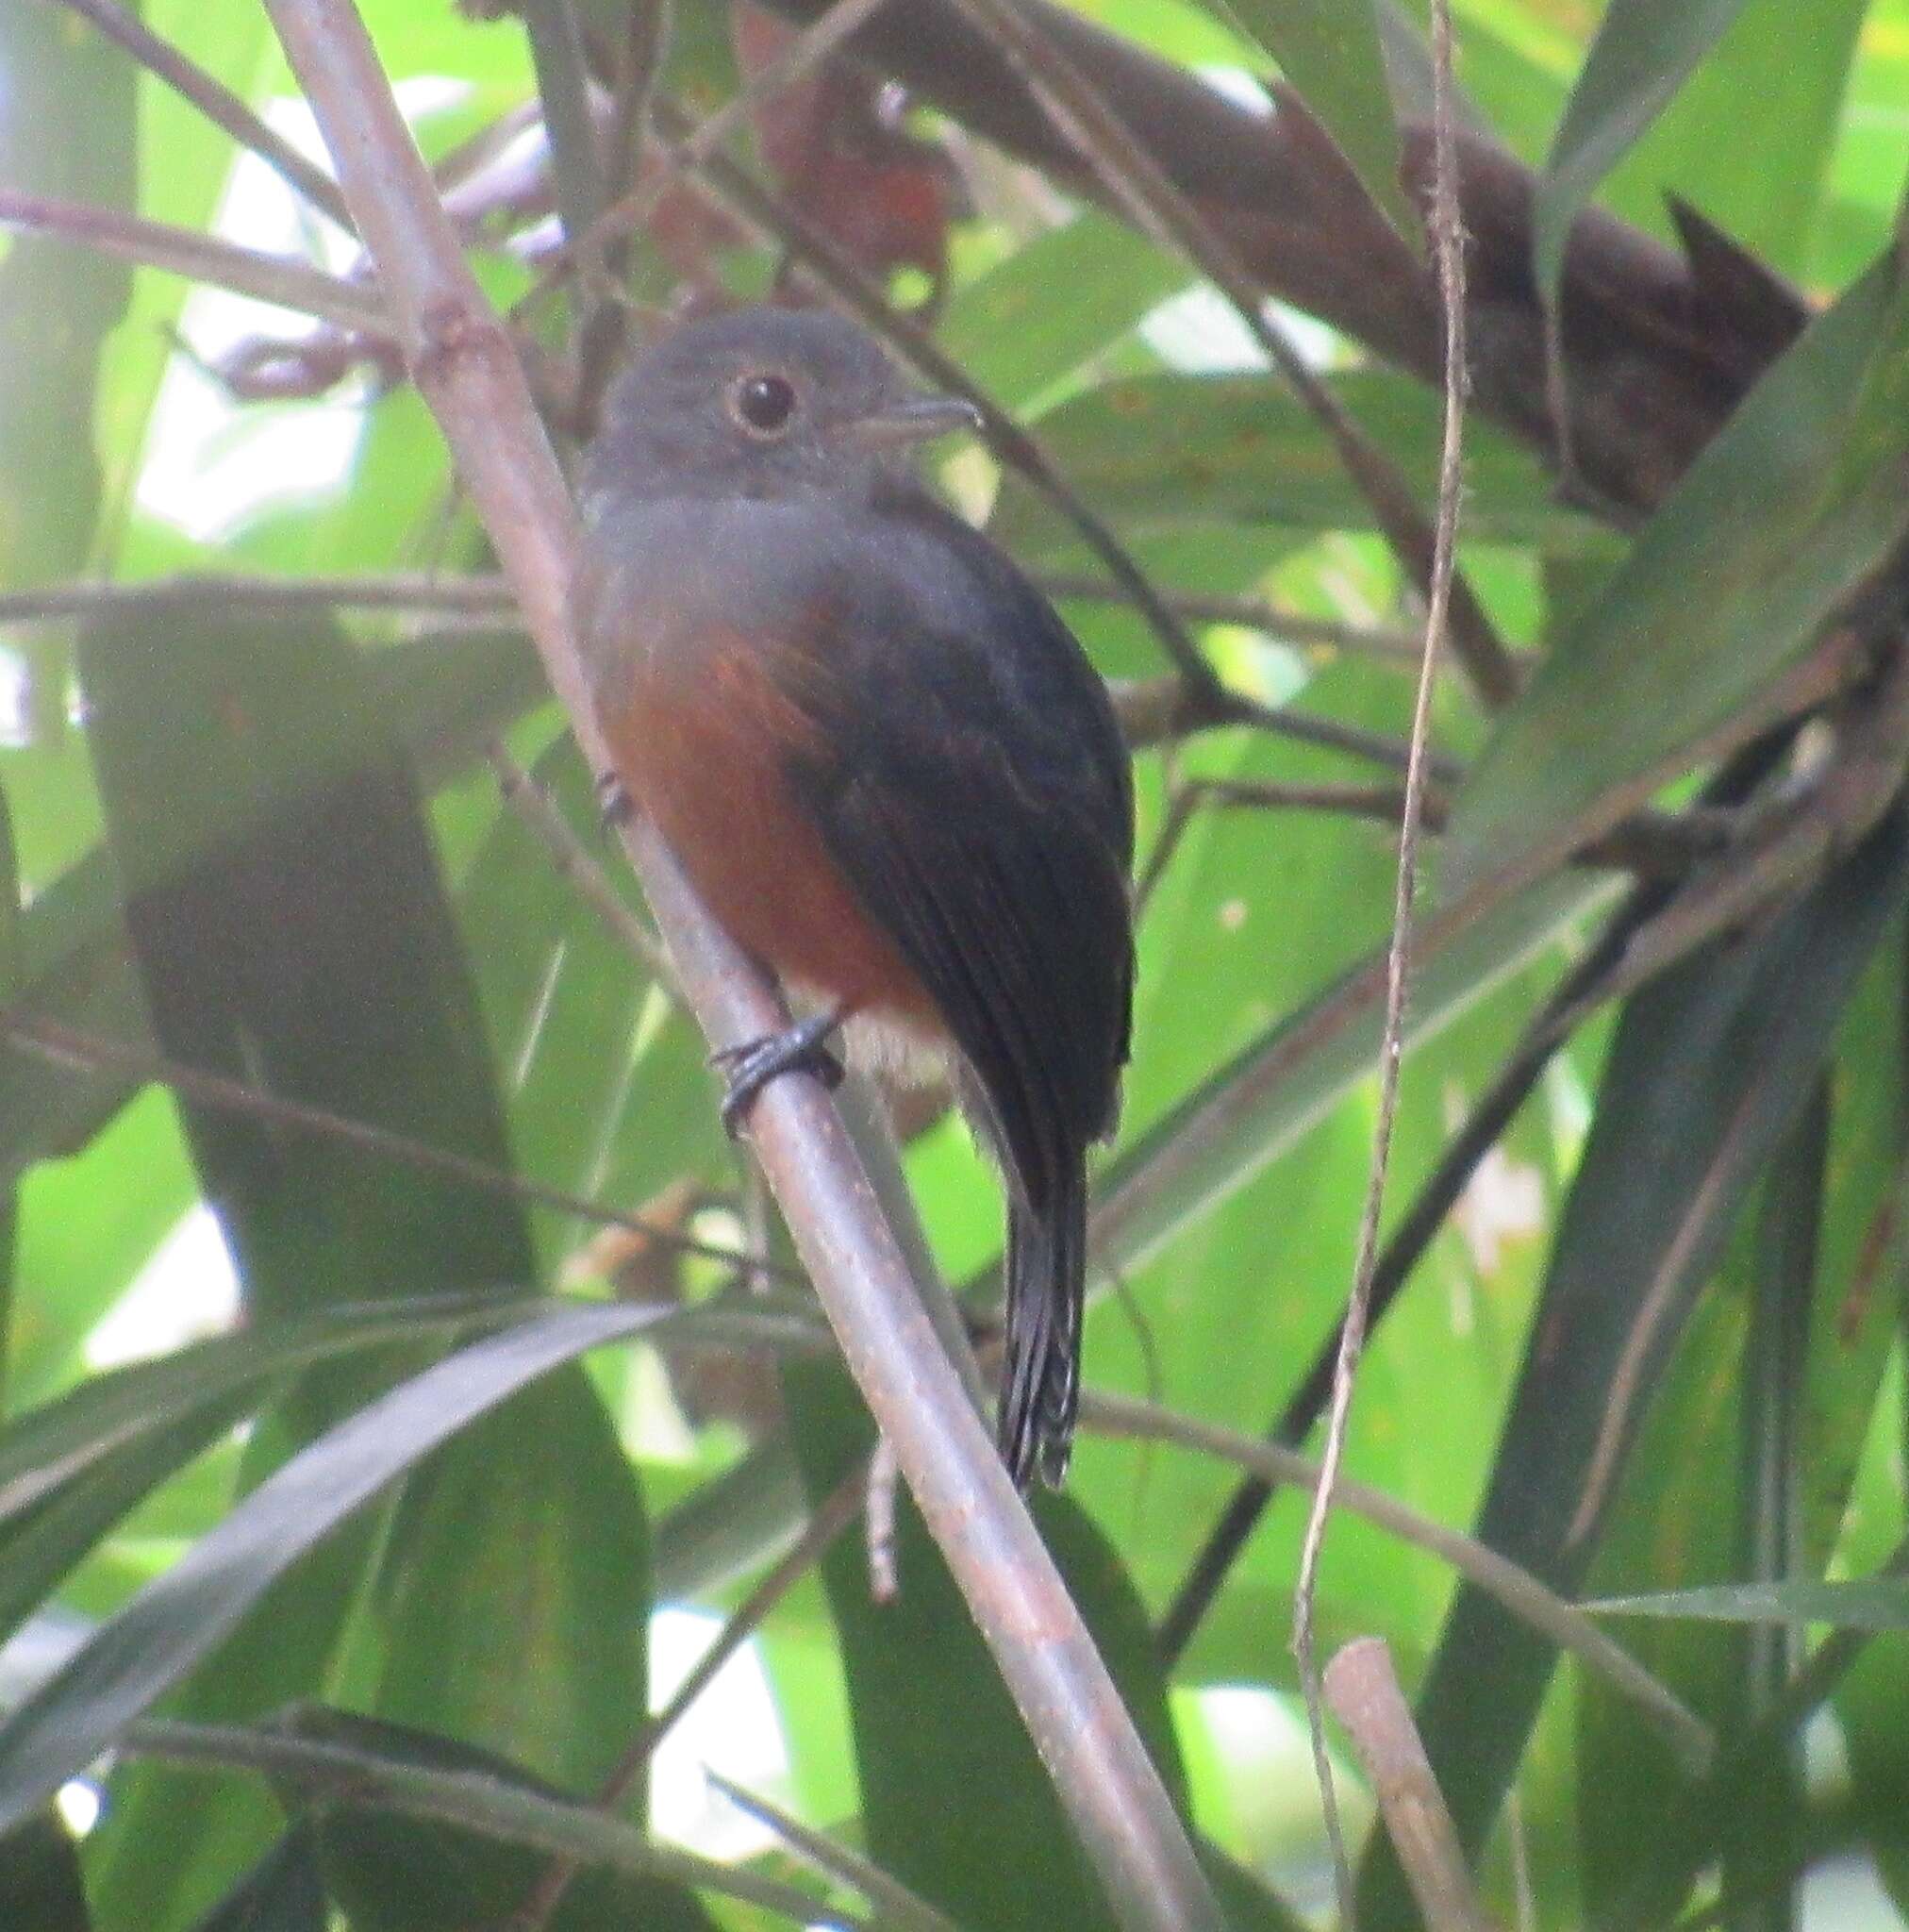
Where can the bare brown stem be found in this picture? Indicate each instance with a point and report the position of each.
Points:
(63, 1045)
(576, 862)
(1364, 1691)
(278, 278)
(1448, 241)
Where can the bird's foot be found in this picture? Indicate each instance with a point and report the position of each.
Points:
(754, 1064)
(614, 804)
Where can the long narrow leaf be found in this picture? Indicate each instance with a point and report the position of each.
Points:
(1870, 1602)
(176, 1621)
(1643, 54)
(1779, 520)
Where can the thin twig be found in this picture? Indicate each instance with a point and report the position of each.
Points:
(835, 1515)
(217, 102)
(1448, 241)
(1128, 169)
(527, 796)
(419, 593)
(1526, 1596)
(809, 48)
(1490, 1115)
(1648, 841)
(1182, 807)
(646, 42)
(1381, 802)
(1306, 727)
(604, 328)
(1589, 985)
(1366, 1698)
(334, 1773)
(63, 1045)
(489, 596)
(896, 1907)
(278, 278)
(462, 359)
(563, 86)
(1252, 613)
(1152, 709)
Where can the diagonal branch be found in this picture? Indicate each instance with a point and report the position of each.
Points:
(837, 1512)
(69, 1046)
(217, 102)
(279, 279)
(1525, 1596)
(461, 358)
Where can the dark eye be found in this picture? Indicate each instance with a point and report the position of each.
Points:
(763, 403)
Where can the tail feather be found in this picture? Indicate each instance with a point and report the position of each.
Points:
(1046, 1296)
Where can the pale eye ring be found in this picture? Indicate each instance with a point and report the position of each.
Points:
(763, 403)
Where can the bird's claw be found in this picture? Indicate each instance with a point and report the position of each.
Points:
(614, 806)
(755, 1063)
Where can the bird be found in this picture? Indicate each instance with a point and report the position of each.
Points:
(882, 759)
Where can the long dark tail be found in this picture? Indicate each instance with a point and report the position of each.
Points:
(1046, 1295)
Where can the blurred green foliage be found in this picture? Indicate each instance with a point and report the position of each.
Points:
(272, 848)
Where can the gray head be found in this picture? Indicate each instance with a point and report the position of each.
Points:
(762, 402)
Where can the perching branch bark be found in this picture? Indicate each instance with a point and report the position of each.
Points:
(1363, 1690)
(461, 358)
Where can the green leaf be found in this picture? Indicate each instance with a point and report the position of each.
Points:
(1261, 1102)
(9, 986)
(137, 1655)
(1796, 83)
(534, 1523)
(291, 930)
(334, 1756)
(1643, 54)
(1018, 342)
(1670, 1528)
(397, 1874)
(1157, 454)
(1868, 1603)
(443, 698)
(283, 1892)
(1012, 1860)
(1330, 51)
(41, 1887)
(283, 899)
(1784, 514)
(1709, 1065)
(45, 1447)
(58, 303)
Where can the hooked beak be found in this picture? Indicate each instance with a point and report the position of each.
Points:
(913, 419)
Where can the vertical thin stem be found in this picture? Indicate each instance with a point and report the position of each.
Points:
(1448, 243)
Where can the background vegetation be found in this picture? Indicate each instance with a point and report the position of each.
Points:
(355, 1577)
